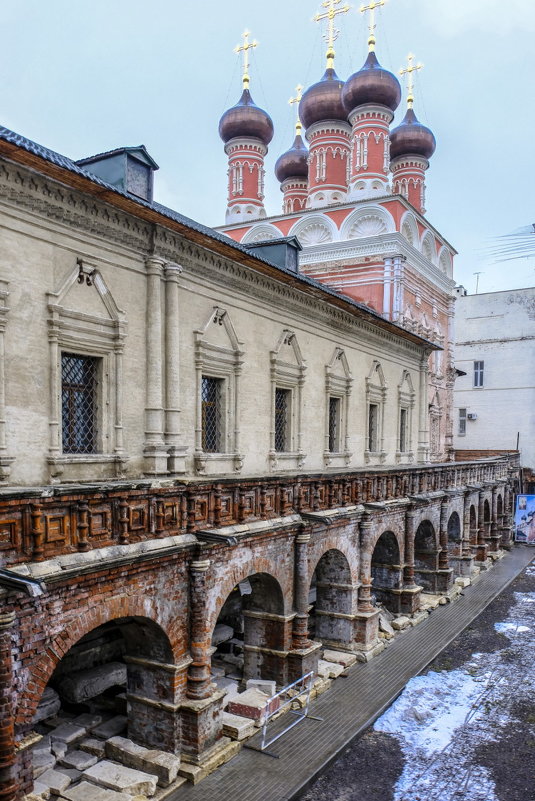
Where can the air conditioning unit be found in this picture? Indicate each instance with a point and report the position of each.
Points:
(472, 416)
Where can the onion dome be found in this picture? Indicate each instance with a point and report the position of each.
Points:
(412, 138)
(323, 101)
(371, 84)
(293, 163)
(246, 119)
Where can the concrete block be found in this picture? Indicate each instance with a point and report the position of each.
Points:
(59, 748)
(40, 791)
(74, 775)
(230, 687)
(419, 617)
(88, 721)
(400, 623)
(84, 684)
(463, 581)
(265, 685)
(111, 727)
(160, 763)
(68, 733)
(385, 626)
(49, 705)
(236, 727)
(56, 781)
(329, 670)
(250, 704)
(222, 633)
(121, 779)
(92, 746)
(340, 658)
(86, 791)
(79, 760)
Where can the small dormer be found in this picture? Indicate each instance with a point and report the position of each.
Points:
(130, 169)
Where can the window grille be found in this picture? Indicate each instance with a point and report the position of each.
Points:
(282, 419)
(78, 403)
(334, 424)
(403, 416)
(373, 417)
(462, 422)
(211, 414)
(478, 373)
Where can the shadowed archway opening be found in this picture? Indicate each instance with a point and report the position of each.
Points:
(115, 680)
(426, 556)
(250, 628)
(387, 572)
(473, 526)
(332, 598)
(455, 545)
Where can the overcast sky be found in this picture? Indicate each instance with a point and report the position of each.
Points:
(81, 78)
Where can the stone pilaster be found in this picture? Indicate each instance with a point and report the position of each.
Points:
(199, 683)
(495, 533)
(8, 782)
(154, 451)
(176, 451)
(482, 548)
(410, 596)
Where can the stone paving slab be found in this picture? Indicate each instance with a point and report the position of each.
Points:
(353, 703)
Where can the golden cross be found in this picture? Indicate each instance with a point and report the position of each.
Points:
(371, 8)
(244, 48)
(331, 14)
(294, 101)
(408, 71)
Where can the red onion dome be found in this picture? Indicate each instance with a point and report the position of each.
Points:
(246, 119)
(371, 84)
(323, 101)
(293, 163)
(411, 138)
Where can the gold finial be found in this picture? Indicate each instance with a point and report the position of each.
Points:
(408, 71)
(244, 48)
(371, 8)
(294, 101)
(332, 34)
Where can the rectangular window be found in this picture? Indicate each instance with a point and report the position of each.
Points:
(212, 418)
(79, 376)
(462, 422)
(403, 419)
(282, 419)
(478, 373)
(373, 420)
(334, 425)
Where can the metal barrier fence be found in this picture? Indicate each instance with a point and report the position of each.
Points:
(278, 702)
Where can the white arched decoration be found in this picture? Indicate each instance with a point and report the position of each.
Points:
(445, 262)
(409, 228)
(428, 248)
(314, 230)
(370, 221)
(261, 233)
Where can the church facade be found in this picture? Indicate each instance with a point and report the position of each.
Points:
(199, 437)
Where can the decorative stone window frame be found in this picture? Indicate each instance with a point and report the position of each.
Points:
(435, 414)
(218, 361)
(376, 393)
(337, 386)
(287, 375)
(406, 401)
(72, 331)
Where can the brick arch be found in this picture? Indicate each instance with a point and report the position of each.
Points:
(240, 573)
(371, 544)
(332, 543)
(421, 527)
(122, 606)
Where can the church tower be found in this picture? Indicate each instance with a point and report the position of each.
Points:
(411, 147)
(291, 168)
(370, 98)
(327, 130)
(246, 131)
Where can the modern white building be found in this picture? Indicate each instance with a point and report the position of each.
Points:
(494, 403)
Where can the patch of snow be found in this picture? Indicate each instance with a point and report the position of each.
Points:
(511, 628)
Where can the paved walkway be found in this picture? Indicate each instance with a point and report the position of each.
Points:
(352, 703)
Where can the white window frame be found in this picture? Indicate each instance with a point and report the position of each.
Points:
(406, 401)
(479, 374)
(338, 383)
(376, 394)
(219, 361)
(101, 337)
(461, 421)
(288, 370)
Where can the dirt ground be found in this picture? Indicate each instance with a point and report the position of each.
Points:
(491, 755)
